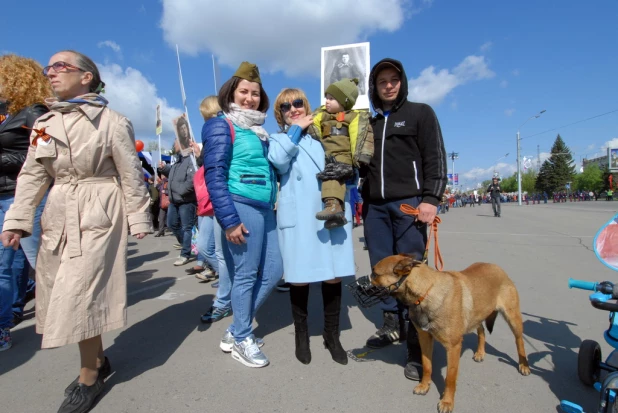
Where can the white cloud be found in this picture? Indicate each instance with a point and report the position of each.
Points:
(485, 47)
(509, 112)
(130, 93)
(479, 174)
(609, 144)
(515, 72)
(432, 87)
(591, 147)
(504, 84)
(111, 44)
(278, 36)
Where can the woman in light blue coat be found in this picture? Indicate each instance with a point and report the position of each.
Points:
(310, 252)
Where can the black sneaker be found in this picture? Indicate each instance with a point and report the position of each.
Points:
(82, 398)
(283, 287)
(414, 365)
(215, 314)
(104, 371)
(387, 334)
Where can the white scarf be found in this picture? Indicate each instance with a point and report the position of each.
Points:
(248, 119)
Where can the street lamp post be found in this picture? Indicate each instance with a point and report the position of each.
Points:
(496, 162)
(519, 154)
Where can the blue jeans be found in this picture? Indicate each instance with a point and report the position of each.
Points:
(181, 219)
(388, 231)
(14, 269)
(257, 267)
(206, 243)
(225, 266)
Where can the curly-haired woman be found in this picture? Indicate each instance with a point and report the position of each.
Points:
(23, 89)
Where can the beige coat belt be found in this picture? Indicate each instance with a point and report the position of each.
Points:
(72, 216)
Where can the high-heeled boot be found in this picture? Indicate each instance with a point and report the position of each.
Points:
(331, 294)
(299, 296)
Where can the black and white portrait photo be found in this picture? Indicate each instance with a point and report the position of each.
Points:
(183, 131)
(347, 61)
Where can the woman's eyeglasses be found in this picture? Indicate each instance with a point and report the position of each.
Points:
(287, 106)
(61, 67)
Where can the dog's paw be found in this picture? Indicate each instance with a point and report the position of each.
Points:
(524, 369)
(421, 389)
(446, 406)
(479, 357)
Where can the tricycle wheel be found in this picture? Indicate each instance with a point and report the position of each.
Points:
(588, 362)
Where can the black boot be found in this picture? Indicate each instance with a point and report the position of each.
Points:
(331, 295)
(299, 296)
(414, 366)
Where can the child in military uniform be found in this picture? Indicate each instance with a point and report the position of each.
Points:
(348, 143)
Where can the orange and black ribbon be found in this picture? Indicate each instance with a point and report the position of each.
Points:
(40, 133)
(2, 118)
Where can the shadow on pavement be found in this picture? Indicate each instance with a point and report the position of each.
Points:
(149, 343)
(25, 344)
(149, 289)
(136, 262)
(561, 372)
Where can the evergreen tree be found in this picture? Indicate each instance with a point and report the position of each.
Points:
(542, 179)
(562, 165)
(557, 170)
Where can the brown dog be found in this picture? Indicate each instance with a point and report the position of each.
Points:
(446, 305)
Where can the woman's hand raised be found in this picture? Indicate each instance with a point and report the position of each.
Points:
(304, 122)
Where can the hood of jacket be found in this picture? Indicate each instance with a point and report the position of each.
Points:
(375, 100)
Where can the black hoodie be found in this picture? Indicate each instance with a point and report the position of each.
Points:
(409, 158)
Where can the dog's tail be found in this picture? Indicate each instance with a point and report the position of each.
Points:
(489, 321)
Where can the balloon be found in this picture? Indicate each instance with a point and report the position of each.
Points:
(139, 146)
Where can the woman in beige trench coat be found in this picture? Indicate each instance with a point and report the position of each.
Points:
(88, 151)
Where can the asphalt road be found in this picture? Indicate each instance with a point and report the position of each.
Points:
(166, 360)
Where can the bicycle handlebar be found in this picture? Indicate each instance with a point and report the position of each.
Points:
(582, 285)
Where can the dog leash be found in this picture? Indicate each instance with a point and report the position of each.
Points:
(433, 229)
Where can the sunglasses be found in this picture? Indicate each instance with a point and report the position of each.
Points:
(61, 67)
(287, 106)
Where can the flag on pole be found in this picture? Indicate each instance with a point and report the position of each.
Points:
(159, 125)
(216, 74)
(182, 86)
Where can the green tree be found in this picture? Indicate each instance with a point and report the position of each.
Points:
(509, 184)
(563, 166)
(528, 181)
(485, 184)
(542, 179)
(605, 178)
(558, 169)
(590, 180)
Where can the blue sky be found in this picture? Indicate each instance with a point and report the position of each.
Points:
(484, 66)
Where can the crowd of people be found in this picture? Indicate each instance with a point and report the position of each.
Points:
(72, 190)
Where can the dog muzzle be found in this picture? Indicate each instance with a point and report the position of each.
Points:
(368, 295)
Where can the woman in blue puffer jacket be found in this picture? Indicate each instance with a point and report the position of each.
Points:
(243, 190)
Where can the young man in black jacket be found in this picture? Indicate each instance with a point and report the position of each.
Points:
(408, 167)
(494, 191)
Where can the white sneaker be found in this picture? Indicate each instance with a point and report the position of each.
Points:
(227, 342)
(181, 261)
(248, 353)
(207, 275)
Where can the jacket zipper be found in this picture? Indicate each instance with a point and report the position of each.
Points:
(382, 157)
(416, 175)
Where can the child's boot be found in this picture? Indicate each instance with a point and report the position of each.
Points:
(332, 210)
(335, 223)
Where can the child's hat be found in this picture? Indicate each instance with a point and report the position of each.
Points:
(345, 92)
